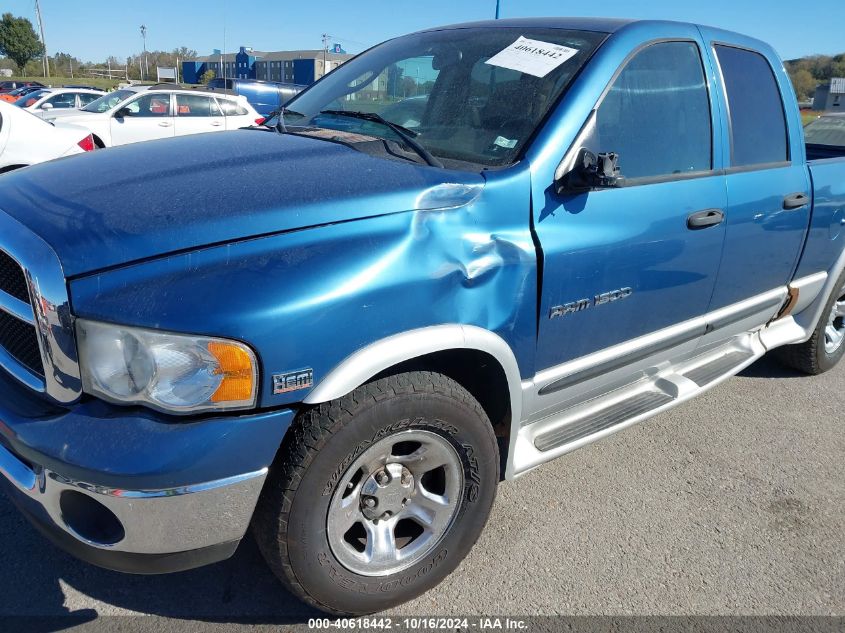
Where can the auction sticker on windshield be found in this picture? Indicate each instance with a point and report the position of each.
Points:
(532, 56)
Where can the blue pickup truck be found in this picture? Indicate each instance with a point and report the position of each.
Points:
(341, 332)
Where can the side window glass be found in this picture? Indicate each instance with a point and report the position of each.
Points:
(656, 116)
(758, 126)
(196, 105)
(150, 105)
(85, 98)
(66, 100)
(230, 108)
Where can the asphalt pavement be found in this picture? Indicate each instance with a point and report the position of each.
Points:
(733, 503)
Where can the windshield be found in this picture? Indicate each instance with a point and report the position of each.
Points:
(108, 101)
(469, 95)
(827, 130)
(30, 98)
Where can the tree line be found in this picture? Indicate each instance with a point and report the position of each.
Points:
(808, 72)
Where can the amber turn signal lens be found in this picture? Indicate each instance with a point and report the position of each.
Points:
(238, 372)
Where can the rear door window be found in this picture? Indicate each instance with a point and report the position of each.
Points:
(196, 106)
(757, 122)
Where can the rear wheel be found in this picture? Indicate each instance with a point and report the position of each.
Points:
(378, 496)
(823, 350)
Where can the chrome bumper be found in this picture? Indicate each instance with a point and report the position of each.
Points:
(144, 522)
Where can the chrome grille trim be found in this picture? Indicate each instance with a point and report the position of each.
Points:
(17, 308)
(49, 313)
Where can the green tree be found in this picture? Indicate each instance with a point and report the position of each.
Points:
(18, 40)
(804, 83)
(207, 76)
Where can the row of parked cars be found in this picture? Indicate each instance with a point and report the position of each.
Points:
(46, 123)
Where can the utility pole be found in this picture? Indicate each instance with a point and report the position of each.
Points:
(497, 9)
(146, 63)
(326, 37)
(45, 62)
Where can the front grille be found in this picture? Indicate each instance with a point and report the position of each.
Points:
(12, 279)
(20, 340)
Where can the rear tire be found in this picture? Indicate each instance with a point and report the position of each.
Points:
(355, 516)
(825, 348)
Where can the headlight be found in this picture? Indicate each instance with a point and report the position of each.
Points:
(175, 373)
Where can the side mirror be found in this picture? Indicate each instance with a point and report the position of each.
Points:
(591, 172)
(47, 106)
(122, 113)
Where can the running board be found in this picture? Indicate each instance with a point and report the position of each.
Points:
(604, 419)
(601, 416)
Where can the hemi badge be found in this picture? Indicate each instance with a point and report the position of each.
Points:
(293, 381)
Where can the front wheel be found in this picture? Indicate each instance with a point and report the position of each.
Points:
(378, 496)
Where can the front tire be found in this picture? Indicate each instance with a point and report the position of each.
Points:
(825, 348)
(378, 496)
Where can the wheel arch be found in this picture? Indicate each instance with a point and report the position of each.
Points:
(9, 168)
(435, 348)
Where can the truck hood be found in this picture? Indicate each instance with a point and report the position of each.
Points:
(111, 207)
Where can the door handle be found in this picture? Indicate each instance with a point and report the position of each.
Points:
(796, 201)
(164, 124)
(703, 219)
(216, 123)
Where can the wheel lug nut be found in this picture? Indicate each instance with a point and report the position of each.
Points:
(382, 478)
(370, 502)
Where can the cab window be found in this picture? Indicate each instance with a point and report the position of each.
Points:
(656, 115)
(757, 123)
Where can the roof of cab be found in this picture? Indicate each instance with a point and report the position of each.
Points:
(600, 25)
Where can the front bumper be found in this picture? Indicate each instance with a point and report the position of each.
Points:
(132, 490)
(139, 531)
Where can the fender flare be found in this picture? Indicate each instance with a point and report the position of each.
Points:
(369, 361)
(808, 318)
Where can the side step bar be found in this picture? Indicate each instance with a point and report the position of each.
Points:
(604, 419)
(586, 422)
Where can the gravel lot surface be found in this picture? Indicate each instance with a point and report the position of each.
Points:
(733, 503)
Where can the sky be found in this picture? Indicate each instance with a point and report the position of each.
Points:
(94, 29)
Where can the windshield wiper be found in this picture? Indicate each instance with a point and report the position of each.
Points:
(281, 112)
(402, 132)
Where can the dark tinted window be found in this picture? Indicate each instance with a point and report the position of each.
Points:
(64, 100)
(196, 105)
(656, 115)
(758, 127)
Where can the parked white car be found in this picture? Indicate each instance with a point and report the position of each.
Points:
(144, 114)
(44, 101)
(26, 139)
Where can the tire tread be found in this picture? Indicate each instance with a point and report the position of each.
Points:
(311, 429)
